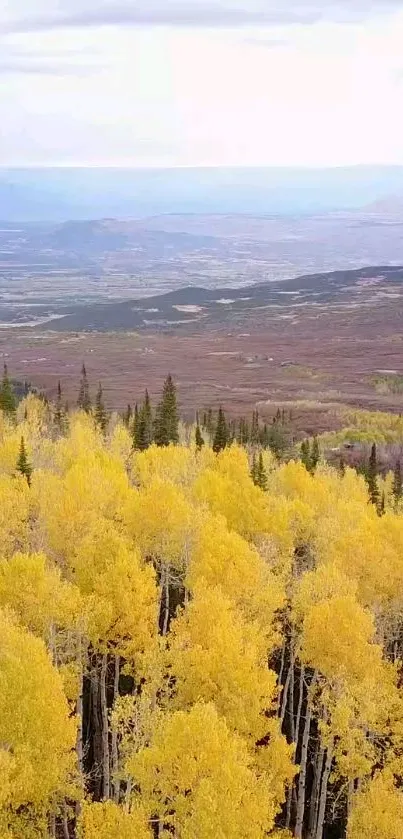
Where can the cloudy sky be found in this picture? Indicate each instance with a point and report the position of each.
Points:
(201, 82)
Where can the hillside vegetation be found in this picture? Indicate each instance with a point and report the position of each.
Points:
(189, 652)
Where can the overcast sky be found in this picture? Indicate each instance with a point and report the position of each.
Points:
(201, 82)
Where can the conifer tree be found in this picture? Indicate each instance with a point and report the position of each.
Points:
(306, 454)
(100, 415)
(143, 425)
(60, 416)
(166, 418)
(253, 469)
(210, 423)
(199, 439)
(221, 433)
(23, 464)
(8, 401)
(264, 437)
(84, 399)
(398, 483)
(315, 454)
(258, 472)
(261, 474)
(371, 476)
(254, 434)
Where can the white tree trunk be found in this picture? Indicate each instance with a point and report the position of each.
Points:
(323, 792)
(115, 750)
(303, 766)
(105, 731)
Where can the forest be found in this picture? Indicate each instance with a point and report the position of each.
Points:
(201, 630)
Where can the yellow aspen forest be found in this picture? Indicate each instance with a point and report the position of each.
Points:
(186, 654)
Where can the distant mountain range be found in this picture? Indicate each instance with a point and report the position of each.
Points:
(59, 194)
(242, 308)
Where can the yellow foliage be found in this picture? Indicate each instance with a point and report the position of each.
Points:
(222, 558)
(162, 522)
(377, 811)
(14, 515)
(219, 657)
(36, 730)
(108, 821)
(33, 588)
(197, 775)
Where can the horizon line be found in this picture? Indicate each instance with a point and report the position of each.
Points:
(187, 166)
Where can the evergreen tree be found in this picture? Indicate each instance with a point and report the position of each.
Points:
(397, 483)
(84, 399)
(166, 418)
(261, 474)
(8, 401)
(143, 425)
(199, 438)
(221, 433)
(306, 454)
(135, 423)
(243, 432)
(100, 415)
(315, 454)
(60, 417)
(254, 434)
(253, 470)
(264, 437)
(23, 464)
(371, 476)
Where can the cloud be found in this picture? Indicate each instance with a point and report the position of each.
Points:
(203, 13)
(15, 61)
(38, 68)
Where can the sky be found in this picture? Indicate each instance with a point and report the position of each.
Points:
(201, 82)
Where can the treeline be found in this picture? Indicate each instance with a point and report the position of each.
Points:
(160, 425)
(193, 643)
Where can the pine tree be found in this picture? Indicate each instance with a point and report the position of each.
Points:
(135, 423)
(261, 474)
(398, 483)
(143, 425)
(199, 439)
(315, 454)
(254, 434)
(84, 399)
(60, 417)
(100, 415)
(221, 433)
(166, 418)
(8, 401)
(306, 454)
(253, 469)
(371, 476)
(23, 465)
(264, 437)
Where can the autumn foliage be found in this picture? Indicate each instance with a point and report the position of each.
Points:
(185, 652)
